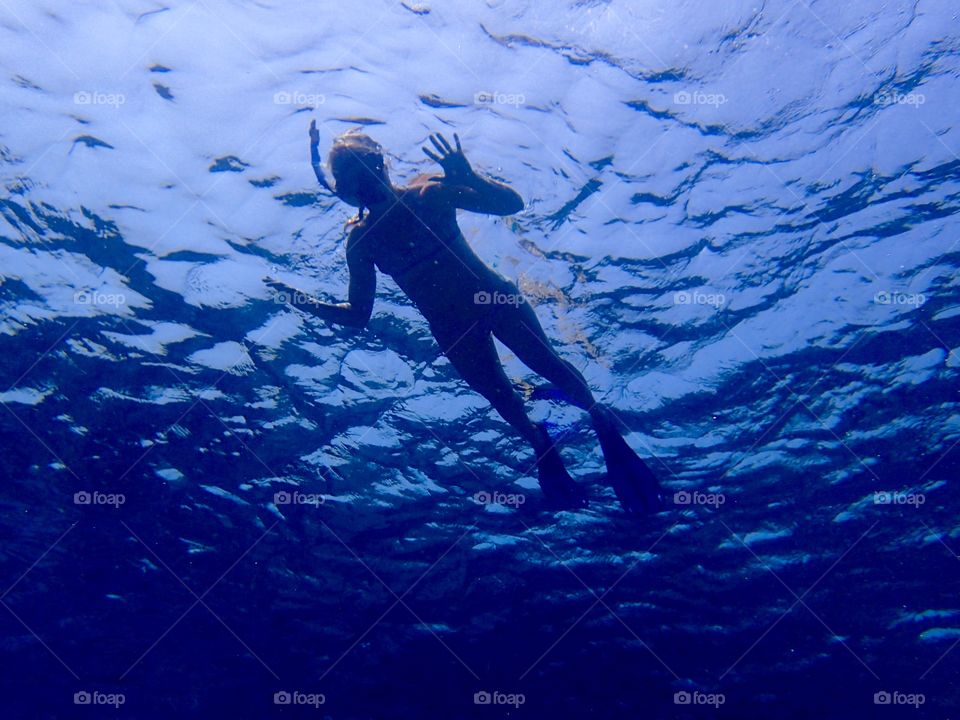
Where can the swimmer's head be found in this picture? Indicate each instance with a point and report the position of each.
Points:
(359, 172)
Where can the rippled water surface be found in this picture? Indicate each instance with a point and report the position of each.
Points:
(739, 224)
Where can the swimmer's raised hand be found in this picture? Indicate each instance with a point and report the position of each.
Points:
(456, 169)
(462, 186)
(314, 134)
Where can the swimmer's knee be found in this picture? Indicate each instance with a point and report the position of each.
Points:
(502, 396)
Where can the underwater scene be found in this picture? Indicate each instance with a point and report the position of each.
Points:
(493, 359)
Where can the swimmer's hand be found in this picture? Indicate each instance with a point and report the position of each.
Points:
(463, 187)
(288, 294)
(352, 314)
(314, 134)
(456, 169)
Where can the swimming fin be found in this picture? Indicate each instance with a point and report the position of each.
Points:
(634, 483)
(560, 489)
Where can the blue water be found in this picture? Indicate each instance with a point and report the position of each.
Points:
(739, 225)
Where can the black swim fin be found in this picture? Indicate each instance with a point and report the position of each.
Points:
(637, 488)
(560, 489)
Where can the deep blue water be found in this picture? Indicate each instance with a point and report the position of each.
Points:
(740, 226)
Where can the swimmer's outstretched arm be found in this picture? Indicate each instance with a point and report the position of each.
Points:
(363, 289)
(465, 188)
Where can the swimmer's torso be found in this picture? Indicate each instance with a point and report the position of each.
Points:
(418, 243)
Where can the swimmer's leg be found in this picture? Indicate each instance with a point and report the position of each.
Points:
(474, 357)
(517, 327)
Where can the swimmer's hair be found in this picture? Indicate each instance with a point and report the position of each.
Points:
(357, 145)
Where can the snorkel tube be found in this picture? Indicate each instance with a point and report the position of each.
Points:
(315, 157)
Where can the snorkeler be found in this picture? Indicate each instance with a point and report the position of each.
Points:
(411, 234)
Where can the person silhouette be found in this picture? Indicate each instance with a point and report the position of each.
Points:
(411, 234)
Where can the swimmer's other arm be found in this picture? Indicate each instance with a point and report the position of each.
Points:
(483, 195)
(463, 187)
(363, 288)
